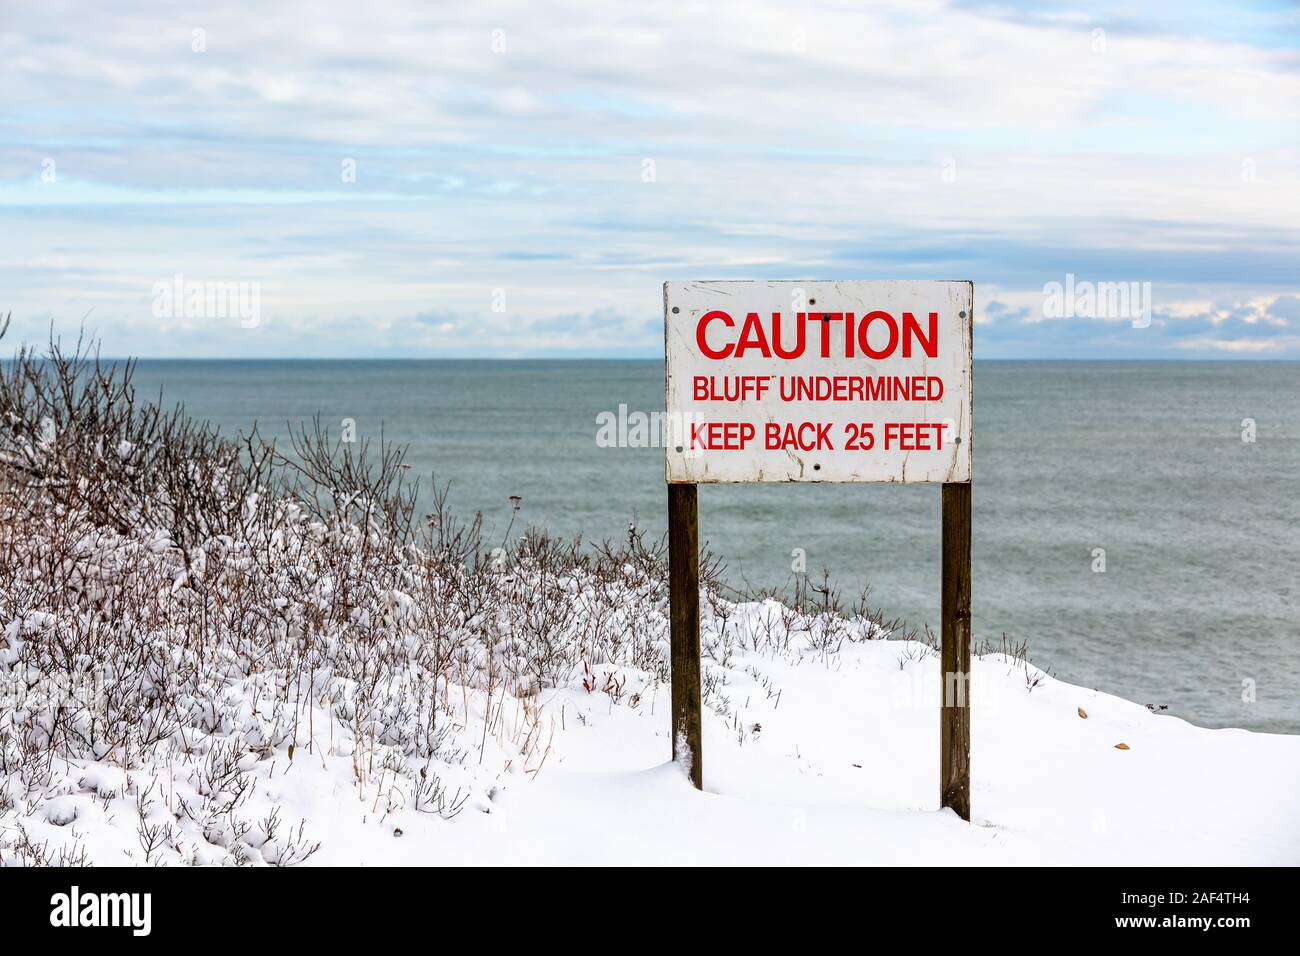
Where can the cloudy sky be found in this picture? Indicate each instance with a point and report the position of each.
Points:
(518, 179)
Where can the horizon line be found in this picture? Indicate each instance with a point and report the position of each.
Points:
(639, 358)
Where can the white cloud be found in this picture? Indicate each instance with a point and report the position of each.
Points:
(793, 141)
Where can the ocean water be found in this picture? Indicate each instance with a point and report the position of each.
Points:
(1198, 607)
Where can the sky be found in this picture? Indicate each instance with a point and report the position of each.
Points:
(503, 179)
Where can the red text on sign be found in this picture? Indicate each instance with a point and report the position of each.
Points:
(915, 436)
(876, 335)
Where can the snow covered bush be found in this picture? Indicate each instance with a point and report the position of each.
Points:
(186, 615)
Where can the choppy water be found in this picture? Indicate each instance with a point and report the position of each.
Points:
(1146, 460)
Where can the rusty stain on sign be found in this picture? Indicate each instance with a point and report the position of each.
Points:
(835, 381)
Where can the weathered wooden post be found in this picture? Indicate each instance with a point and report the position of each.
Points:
(684, 601)
(954, 663)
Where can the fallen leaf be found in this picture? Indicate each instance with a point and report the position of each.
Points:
(1083, 713)
(1121, 747)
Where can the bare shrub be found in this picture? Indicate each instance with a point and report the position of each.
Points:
(189, 610)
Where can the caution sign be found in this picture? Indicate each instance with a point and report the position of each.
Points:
(818, 381)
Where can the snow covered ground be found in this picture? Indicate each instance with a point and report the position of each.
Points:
(827, 756)
(844, 770)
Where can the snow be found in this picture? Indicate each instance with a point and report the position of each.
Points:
(840, 773)
(828, 756)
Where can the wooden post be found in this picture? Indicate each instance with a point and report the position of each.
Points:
(684, 614)
(954, 715)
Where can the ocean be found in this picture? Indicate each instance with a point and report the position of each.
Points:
(1123, 526)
